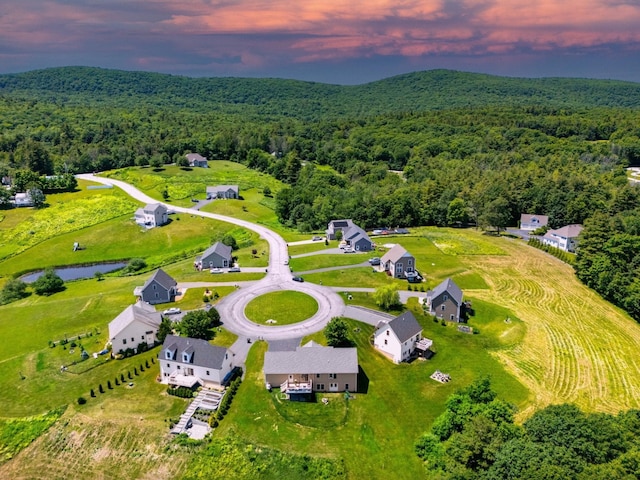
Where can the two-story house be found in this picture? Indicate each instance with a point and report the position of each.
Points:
(399, 338)
(445, 301)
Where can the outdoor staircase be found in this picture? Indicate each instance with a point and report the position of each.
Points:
(186, 416)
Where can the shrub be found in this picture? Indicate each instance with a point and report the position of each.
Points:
(82, 400)
(109, 385)
(13, 290)
(48, 284)
(100, 388)
(135, 265)
(93, 394)
(117, 381)
(135, 371)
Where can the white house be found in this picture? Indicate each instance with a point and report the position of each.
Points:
(565, 238)
(136, 324)
(533, 222)
(399, 338)
(152, 215)
(186, 362)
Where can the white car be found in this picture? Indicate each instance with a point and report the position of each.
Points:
(172, 311)
(215, 270)
(234, 269)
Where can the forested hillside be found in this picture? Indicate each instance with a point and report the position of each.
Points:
(429, 148)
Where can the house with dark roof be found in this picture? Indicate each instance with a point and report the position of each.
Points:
(312, 368)
(398, 263)
(565, 238)
(152, 215)
(223, 191)
(217, 255)
(197, 160)
(445, 301)
(159, 288)
(399, 338)
(188, 362)
(352, 235)
(136, 324)
(533, 222)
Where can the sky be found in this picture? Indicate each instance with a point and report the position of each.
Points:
(330, 41)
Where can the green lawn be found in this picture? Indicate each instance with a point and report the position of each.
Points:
(326, 260)
(374, 432)
(310, 247)
(285, 307)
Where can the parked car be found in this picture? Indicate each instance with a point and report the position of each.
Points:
(298, 279)
(402, 231)
(316, 238)
(377, 232)
(215, 270)
(349, 250)
(234, 269)
(374, 261)
(172, 311)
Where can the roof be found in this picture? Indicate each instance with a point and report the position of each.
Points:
(341, 223)
(162, 278)
(204, 354)
(395, 254)
(139, 312)
(219, 248)
(312, 358)
(154, 207)
(450, 287)
(568, 231)
(195, 156)
(527, 217)
(405, 326)
(355, 233)
(223, 188)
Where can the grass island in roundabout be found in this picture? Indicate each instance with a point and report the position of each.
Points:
(282, 307)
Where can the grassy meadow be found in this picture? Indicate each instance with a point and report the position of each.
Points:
(284, 307)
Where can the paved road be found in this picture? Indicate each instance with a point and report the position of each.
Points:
(278, 277)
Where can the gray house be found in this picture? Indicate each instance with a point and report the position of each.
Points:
(197, 160)
(217, 255)
(445, 301)
(398, 262)
(187, 362)
(353, 236)
(312, 368)
(223, 191)
(160, 288)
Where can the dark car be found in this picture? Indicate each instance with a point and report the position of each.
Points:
(298, 279)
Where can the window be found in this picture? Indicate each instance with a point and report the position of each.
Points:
(443, 307)
(445, 298)
(317, 375)
(208, 372)
(185, 357)
(346, 386)
(155, 287)
(387, 332)
(142, 337)
(132, 340)
(451, 316)
(332, 375)
(168, 365)
(178, 367)
(386, 342)
(167, 355)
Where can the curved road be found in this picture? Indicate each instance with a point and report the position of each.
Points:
(278, 277)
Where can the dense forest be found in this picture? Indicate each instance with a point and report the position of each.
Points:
(429, 148)
(476, 438)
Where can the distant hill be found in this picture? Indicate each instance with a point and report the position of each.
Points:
(428, 90)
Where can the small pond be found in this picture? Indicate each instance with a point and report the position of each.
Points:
(76, 273)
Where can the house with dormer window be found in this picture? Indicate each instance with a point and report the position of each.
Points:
(188, 362)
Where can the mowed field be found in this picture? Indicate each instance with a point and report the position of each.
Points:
(578, 347)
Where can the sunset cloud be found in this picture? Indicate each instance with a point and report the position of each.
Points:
(254, 37)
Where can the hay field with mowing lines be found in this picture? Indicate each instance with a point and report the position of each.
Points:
(578, 347)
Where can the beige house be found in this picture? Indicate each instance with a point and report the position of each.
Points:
(399, 338)
(312, 368)
(136, 324)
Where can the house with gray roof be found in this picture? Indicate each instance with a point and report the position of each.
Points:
(533, 222)
(187, 362)
(223, 191)
(137, 324)
(152, 215)
(197, 160)
(352, 235)
(445, 301)
(399, 338)
(217, 255)
(565, 238)
(312, 368)
(159, 288)
(398, 262)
